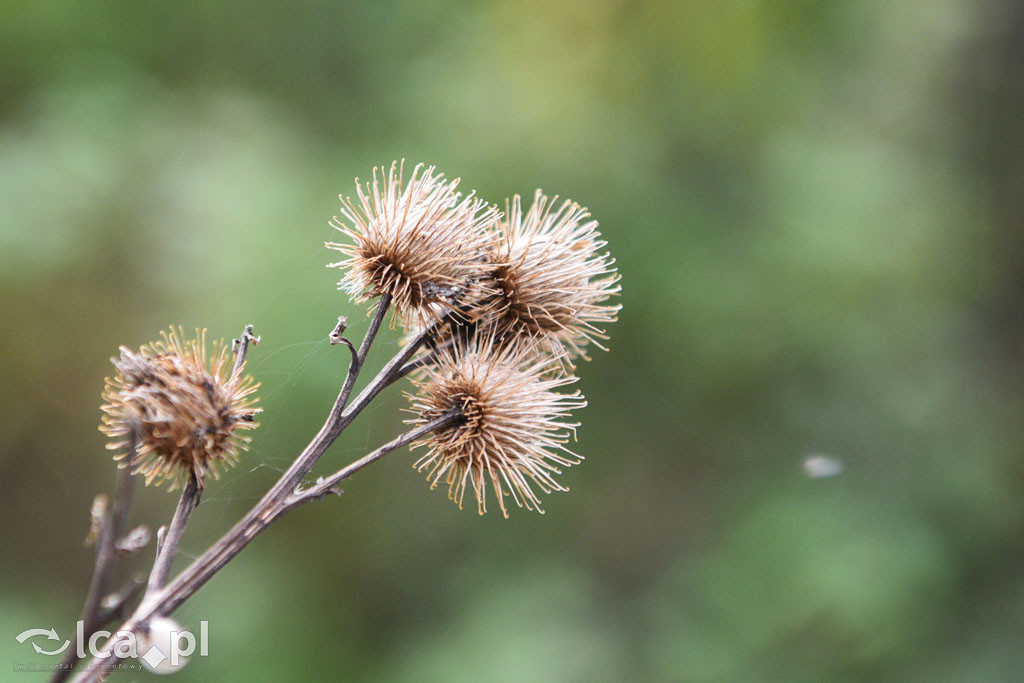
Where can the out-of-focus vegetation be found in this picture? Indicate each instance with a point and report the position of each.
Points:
(815, 207)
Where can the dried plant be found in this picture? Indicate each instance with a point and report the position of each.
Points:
(185, 413)
(419, 242)
(496, 310)
(510, 432)
(546, 282)
(550, 280)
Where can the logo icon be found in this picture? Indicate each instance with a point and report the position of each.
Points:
(163, 646)
(50, 635)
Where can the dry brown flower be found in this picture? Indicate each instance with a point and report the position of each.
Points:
(511, 430)
(186, 408)
(421, 242)
(550, 278)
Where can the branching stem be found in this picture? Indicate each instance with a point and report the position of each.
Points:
(327, 486)
(359, 357)
(285, 494)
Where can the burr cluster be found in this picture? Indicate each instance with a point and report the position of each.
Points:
(508, 302)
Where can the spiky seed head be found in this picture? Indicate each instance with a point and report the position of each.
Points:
(419, 241)
(186, 408)
(550, 279)
(512, 430)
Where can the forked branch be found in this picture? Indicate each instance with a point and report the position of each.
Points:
(284, 495)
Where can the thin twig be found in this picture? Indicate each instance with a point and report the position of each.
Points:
(106, 555)
(326, 486)
(359, 357)
(337, 336)
(169, 548)
(420, 362)
(105, 551)
(160, 534)
(435, 349)
(240, 347)
(388, 375)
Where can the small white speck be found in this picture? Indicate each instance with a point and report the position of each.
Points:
(819, 466)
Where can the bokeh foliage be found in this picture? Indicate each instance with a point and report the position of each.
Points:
(815, 208)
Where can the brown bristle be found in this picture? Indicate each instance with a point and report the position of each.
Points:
(550, 279)
(185, 413)
(420, 242)
(547, 284)
(511, 432)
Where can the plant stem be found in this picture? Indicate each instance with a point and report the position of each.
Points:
(241, 348)
(113, 525)
(106, 552)
(285, 495)
(359, 357)
(166, 552)
(325, 487)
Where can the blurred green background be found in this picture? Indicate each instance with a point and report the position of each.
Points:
(815, 206)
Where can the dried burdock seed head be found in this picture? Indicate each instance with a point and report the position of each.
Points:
(419, 241)
(511, 431)
(550, 280)
(186, 409)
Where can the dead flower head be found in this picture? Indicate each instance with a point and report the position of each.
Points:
(550, 280)
(510, 432)
(186, 408)
(419, 241)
